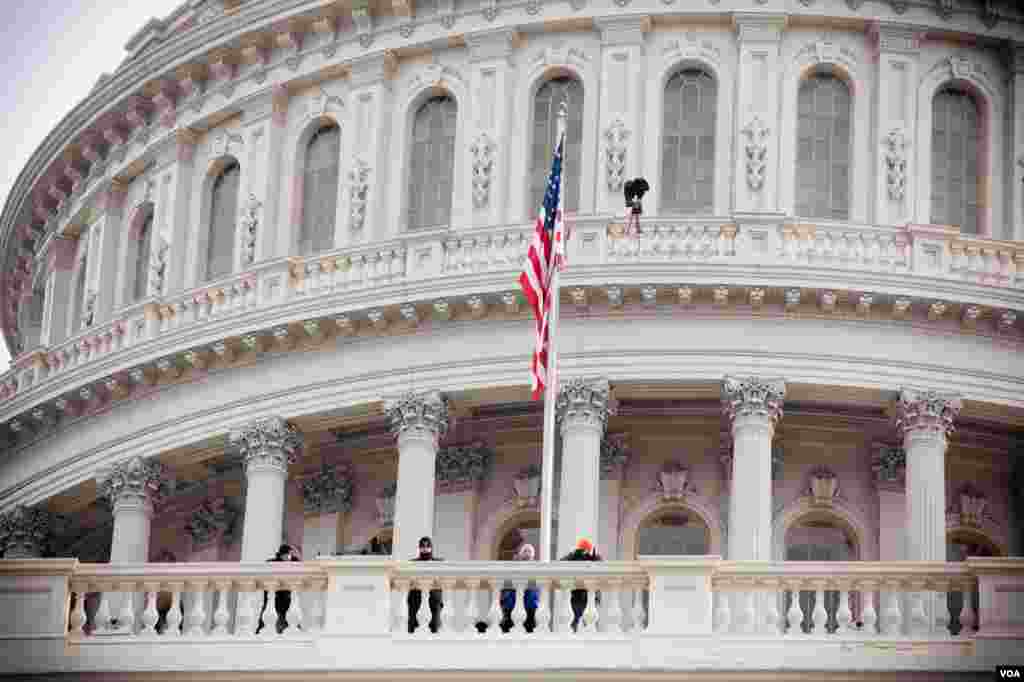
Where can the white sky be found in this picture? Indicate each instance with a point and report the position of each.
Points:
(55, 50)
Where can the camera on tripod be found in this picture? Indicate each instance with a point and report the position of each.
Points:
(634, 190)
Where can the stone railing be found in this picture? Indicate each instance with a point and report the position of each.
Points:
(69, 613)
(423, 267)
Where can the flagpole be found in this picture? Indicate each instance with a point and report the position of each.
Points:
(551, 388)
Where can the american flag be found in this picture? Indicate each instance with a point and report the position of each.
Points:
(547, 251)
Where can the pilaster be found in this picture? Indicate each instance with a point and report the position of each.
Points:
(491, 82)
(896, 121)
(178, 209)
(268, 446)
(262, 232)
(25, 532)
(582, 410)
(889, 464)
(620, 126)
(756, 129)
(326, 502)
(614, 456)
(1016, 146)
(418, 421)
(105, 237)
(460, 473)
(367, 157)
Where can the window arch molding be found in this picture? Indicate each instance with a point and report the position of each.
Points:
(653, 505)
(990, 109)
(417, 94)
(677, 62)
(807, 65)
(204, 226)
(301, 136)
(841, 513)
(550, 65)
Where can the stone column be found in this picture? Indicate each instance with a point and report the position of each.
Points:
(418, 420)
(460, 470)
(756, 170)
(896, 114)
(133, 487)
(1016, 192)
(582, 410)
(25, 532)
(268, 446)
(753, 406)
(925, 419)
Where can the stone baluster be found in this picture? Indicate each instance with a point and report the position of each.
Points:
(611, 619)
(221, 615)
(196, 617)
(771, 620)
(269, 615)
(868, 616)
(245, 609)
(450, 614)
(844, 617)
(892, 616)
(469, 611)
(819, 616)
(968, 616)
(942, 616)
(518, 614)
(494, 611)
(172, 626)
(543, 613)
(126, 614)
(639, 612)
(400, 613)
(591, 617)
(563, 609)
(747, 611)
(294, 614)
(917, 617)
(418, 421)
(101, 619)
(268, 447)
(78, 615)
(723, 614)
(795, 614)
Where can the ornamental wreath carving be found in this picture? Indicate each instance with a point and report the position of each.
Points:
(134, 480)
(462, 466)
(756, 150)
(358, 190)
(271, 441)
(250, 224)
(25, 532)
(419, 414)
(748, 396)
(482, 150)
(211, 520)
(615, 136)
(896, 163)
(328, 492)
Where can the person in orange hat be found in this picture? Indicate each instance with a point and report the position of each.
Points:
(578, 599)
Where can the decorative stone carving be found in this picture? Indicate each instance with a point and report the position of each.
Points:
(158, 267)
(899, 6)
(895, 144)
(615, 136)
(756, 150)
(959, 66)
(482, 150)
(328, 492)
(926, 410)
(358, 190)
(89, 308)
(250, 225)
(990, 14)
(945, 8)
(672, 481)
(824, 487)
(972, 504)
(584, 401)
(271, 441)
(743, 397)
(25, 532)
(212, 520)
(459, 467)
(614, 454)
(225, 143)
(134, 481)
(418, 414)
(386, 505)
(526, 487)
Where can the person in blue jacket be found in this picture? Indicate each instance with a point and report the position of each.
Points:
(530, 597)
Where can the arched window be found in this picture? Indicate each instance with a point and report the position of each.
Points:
(955, 142)
(320, 191)
(688, 143)
(819, 538)
(672, 532)
(823, 148)
(30, 316)
(545, 114)
(142, 255)
(432, 163)
(223, 210)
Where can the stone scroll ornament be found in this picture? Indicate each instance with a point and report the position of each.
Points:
(756, 153)
(896, 164)
(158, 267)
(615, 136)
(250, 225)
(482, 150)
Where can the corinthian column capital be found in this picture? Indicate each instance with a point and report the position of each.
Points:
(753, 396)
(925, 411)
(135, 482)
(421, 415)
(584, 402)
(270, 442)
(25, 532)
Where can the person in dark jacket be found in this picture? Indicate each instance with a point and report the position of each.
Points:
(415, 599)
(530, 597)
(282, 598)
(578, 598)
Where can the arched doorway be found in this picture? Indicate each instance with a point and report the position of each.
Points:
(672, 530)
(961, 543)
(519, 530)
(820, 536)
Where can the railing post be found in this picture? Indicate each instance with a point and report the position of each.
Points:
(245, 616)
(868, 615)
(448, 612)
(78, 616)
(795, 614)
(221, 616)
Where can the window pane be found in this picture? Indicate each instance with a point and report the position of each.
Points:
(823, 148)
(954, 160)
(432, 163)
(223, 208)
(546, 102)
(320, 191)
(688, 153)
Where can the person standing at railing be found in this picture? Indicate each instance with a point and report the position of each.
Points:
(578, 598)
(415, 599)
(530, 597)
(282, 598)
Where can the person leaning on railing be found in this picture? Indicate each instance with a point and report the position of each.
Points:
(282, 598)
(415, 599)
(530, 597)
(578, 599)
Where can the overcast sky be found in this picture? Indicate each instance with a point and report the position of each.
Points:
(55, 50)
